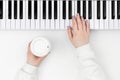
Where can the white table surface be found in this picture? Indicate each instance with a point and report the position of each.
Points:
(61, 64)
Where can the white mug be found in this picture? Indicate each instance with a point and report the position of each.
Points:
(40, 46)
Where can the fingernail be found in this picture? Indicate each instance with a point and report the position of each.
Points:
(82, 18)
(76, 14)
(73, 17)
(87, 21)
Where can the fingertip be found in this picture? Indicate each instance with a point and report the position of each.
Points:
(73, 17)
(87, 22)
(83, 18)
(70, 33)
(68, 27)
(78, 15)
(87, 25)
(29, 44)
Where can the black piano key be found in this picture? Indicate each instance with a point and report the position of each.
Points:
(15, 9)
(1, 9)
(118, 9)
(90, 9)
(35, 9)
(9, 9)
(44, 9)
(98, 9)
(78, 7)
(49, 9)
(104, 9)
(55, 9)
(21, 9)
(113, 9)
(84, 9)
(29, 9)
(70, 10)
(64, 9)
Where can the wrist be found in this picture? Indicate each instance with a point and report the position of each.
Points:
(80, 45)
(33, 63)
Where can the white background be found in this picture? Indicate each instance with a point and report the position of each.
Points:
(61, 64)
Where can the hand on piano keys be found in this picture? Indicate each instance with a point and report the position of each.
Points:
(79, 32)
(57, 14)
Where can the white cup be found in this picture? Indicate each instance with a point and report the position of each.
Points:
(40, 46)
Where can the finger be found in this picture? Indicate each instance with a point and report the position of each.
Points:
(70, 35)
(79, 22)
(28, 46)
(83, 23)
(74, 23)
(87, 26)
(45, 56)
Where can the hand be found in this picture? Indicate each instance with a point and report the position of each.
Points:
(79, 33)
(32, 59)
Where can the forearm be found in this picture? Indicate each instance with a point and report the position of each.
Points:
(28, 72)
(89, 68)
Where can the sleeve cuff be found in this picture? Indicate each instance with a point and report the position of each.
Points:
(85, 51)
(29, 68)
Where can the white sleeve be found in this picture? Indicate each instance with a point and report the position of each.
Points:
(28, 72)
(89, 68)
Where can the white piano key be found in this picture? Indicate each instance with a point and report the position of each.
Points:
(62, 22)
(37, 21)
(48, 25)
(3, 25)
(43, 22)
(73, 11)
(81, 3)
(67, 20)
(23, 21)
(57, 21)
(13, 20)
(86, 9)
(118, 23)
(28, 21)
(110, 16)
(0, 22)
(18, 18)
(52, 24)
(52, 21)
(91, 21)
(75, 6)
(115, 20)
(8, 21)
(106, 26)
(33, 26)
(101, 20)
(96, 21)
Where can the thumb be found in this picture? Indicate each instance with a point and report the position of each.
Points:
(70, 35)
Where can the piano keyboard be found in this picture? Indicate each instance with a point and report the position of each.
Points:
(57, 14)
